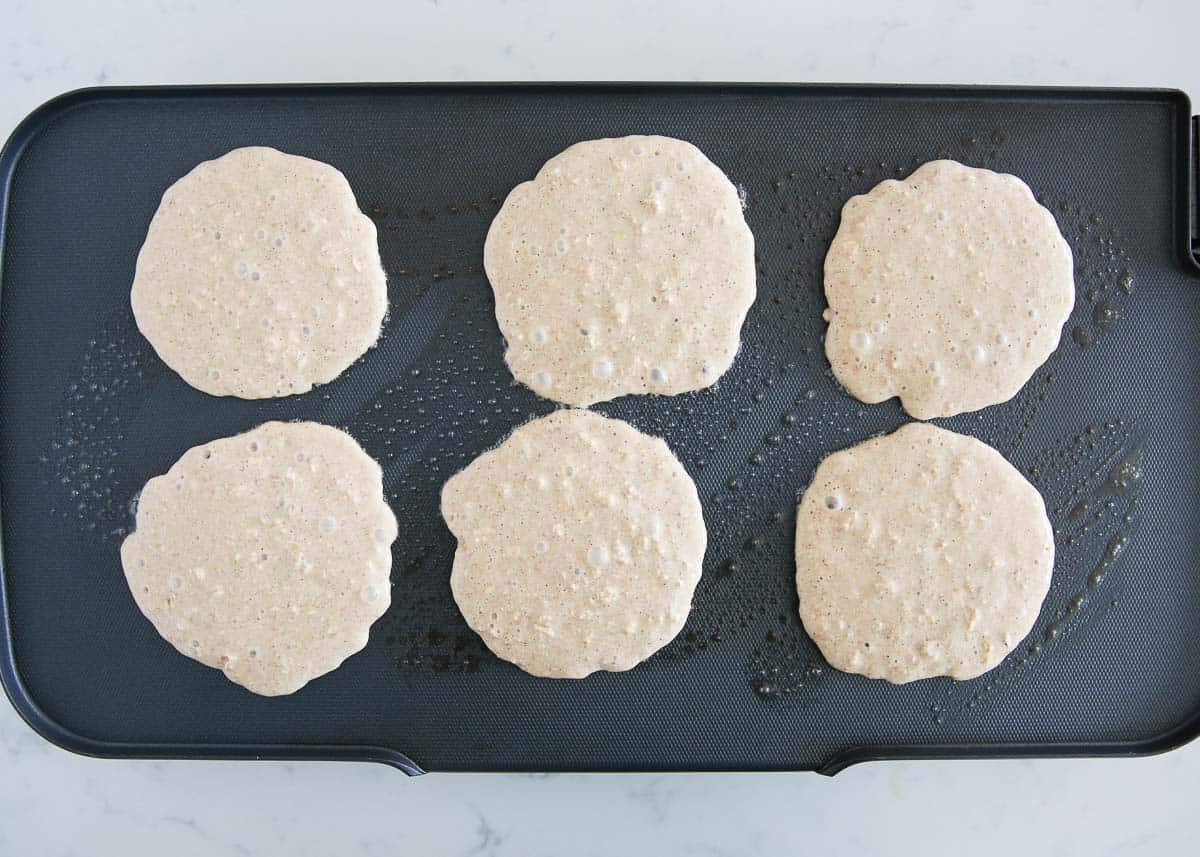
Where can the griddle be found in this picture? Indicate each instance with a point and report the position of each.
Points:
(1106, 429)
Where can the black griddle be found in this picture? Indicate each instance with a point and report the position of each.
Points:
(1106, 429)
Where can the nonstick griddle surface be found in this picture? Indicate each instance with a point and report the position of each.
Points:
(1105, 430)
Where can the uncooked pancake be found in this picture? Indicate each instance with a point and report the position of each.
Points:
(580, 542)
(919, 554)
(259, 276)
(266, 555)
(948, 289)
(624, 267)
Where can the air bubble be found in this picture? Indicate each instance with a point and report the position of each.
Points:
(541, 547)
(833, 502)
(598, 555)
(328, 524)
(861, 340)
(658, 375)
(602, 369)
(539, 335)
(541, 380)
(978, 353)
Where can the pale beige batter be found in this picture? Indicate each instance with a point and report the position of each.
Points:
(580, 542)
(919, 554)
(259, 276)
(624, 267)
(266, 555)
(947, 289)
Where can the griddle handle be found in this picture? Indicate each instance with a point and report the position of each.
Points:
(1193, 181)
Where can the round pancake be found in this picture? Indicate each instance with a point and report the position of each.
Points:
(625, 266)
(266, 555)
(921, 553)
(580, 542)
(948, 289)
(259, 276)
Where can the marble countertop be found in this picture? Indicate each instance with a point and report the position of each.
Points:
(52, 802)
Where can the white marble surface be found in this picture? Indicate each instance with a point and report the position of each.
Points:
(58, 804)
